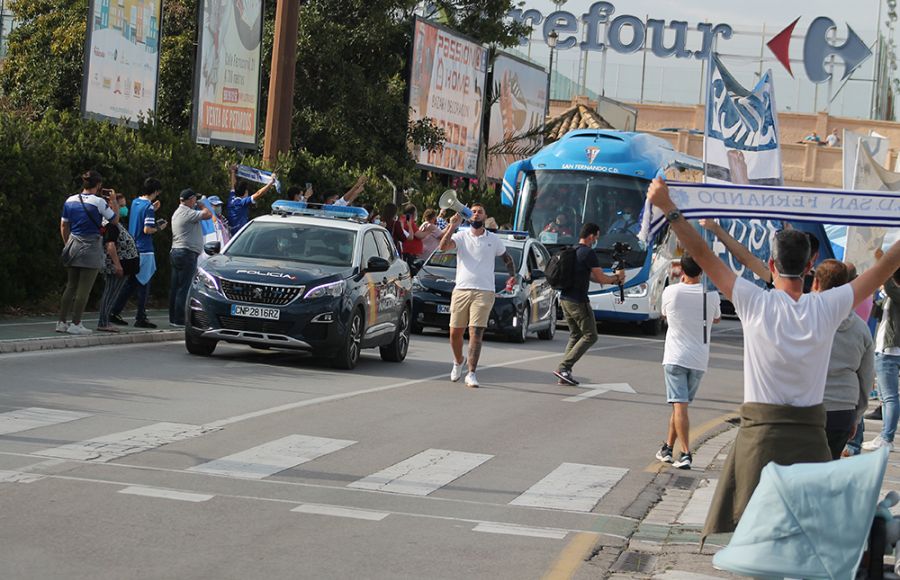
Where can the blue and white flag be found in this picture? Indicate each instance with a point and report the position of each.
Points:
(257, 175)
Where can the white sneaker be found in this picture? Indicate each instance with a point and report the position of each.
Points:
(472, 381)
(457, 370)
(78, 329)
(62, 327)
(877, 443)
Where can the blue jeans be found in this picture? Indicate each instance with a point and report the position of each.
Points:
(887, 367)
(855, 444)
(184, 266)
(131, 286)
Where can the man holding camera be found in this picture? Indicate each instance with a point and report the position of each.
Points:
(142, 224)
(576, 305)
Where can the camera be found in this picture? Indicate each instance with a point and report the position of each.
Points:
(619, 252)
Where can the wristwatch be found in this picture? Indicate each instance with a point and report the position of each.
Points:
(673, 215)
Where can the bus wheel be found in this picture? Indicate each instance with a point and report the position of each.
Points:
(652, 327)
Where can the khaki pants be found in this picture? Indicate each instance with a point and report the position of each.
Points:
(470, 308)
(582, 332)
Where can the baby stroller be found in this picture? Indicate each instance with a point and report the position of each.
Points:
(813, 520)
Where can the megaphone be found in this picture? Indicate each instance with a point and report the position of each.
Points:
(449, 201)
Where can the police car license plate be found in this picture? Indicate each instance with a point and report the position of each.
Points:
(255, 312)
(443, 309)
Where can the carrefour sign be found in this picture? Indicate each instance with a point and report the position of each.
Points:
(627, 34)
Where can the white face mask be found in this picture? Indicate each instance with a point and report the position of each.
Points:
(376, 221)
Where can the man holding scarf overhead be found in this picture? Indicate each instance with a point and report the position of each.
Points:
(785, 364)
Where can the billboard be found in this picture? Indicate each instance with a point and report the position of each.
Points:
(227, 73)
(447, 85)
(121, 59)
(516, 111)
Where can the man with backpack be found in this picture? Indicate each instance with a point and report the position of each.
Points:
(576, 268)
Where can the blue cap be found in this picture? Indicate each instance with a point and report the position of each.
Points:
(214, 200)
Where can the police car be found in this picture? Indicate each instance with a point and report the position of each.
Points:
(313, 279)
(529, 307)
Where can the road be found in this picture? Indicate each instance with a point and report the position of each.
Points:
(142, 461)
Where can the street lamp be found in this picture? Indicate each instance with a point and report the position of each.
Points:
(552, 39)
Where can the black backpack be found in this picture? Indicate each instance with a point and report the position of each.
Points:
(561, 269)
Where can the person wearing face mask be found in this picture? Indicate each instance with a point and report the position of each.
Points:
(473, 295)
(625, 223)
(216, 228)
(122, 262)
(187, 245)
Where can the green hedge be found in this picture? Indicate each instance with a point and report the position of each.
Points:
(41, 161)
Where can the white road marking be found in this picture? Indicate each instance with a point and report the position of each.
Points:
(34, 417)
(513, 530)
(270, 458)
(19, 477)
(166, 494)
(423, 473)
(595, 390)
(340, 512)
(572, 487)
(117, 445)
(329, 398)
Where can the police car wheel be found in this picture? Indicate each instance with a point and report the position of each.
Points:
(199, 346)
(549, 332)
(522, 334)
(397, 349)
(349, 353)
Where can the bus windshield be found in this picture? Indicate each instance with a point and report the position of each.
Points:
(560, 202)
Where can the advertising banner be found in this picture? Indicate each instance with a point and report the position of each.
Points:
(227, 73)
(517, 112)
(447, 85)
(121, 60)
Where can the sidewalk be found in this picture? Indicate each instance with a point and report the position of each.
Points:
(666, 544)
(38, 333)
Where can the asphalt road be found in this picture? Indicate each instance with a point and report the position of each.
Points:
(145, 462)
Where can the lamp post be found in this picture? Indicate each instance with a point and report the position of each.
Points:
(552, 39)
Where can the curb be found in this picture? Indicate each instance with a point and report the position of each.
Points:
(35, 344)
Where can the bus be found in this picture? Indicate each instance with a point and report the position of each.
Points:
(601, 176)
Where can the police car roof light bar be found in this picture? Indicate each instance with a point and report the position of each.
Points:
(286, 207)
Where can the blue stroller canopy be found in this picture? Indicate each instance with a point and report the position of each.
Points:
(808, 520)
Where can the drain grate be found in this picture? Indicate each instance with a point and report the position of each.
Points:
(638, 562)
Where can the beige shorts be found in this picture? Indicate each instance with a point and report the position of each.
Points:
(470, 308)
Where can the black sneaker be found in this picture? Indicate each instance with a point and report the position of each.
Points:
(566, 378)
(144, 324)
(116, 319)
(874, 415)
(665, 453)
(684, 462)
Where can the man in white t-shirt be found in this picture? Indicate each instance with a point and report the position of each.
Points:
(351, 194)
(473, 295)
(787, 345)
(688, 311)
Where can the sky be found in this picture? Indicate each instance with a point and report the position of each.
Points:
(674, 80)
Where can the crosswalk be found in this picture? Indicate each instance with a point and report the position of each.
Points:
(570, 487)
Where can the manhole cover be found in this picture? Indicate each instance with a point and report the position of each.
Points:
(635, 562)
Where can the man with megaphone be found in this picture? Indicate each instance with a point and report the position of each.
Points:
(473, 296)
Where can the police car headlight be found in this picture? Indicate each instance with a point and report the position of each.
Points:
(638, 291)
(417, 285)
(207, 280)
(333, 289)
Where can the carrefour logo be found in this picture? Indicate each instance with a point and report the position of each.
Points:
(817, 49)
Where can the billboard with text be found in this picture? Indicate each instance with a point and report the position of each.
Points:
(121, 61)
(446, 85)
(227, 73)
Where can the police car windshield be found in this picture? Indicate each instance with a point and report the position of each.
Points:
(441, 259)
(295, 243)
(563, 201)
